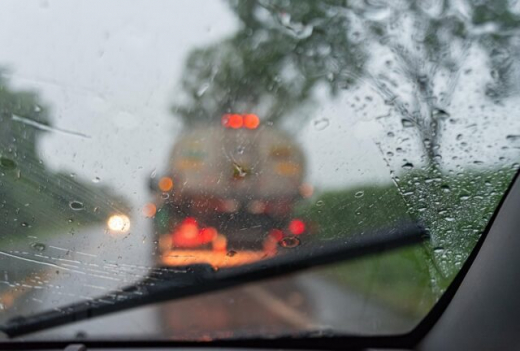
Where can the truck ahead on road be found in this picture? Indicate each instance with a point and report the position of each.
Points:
(230, 188)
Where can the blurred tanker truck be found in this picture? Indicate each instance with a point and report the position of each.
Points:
(230, 188)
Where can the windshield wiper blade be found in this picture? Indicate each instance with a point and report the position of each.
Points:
(169, 284)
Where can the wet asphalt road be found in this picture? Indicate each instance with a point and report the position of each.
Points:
(92, 262)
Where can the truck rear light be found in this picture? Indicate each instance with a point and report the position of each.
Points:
(237, 121)
(276, 235)
(188, 234)
(149, 210)
(251, 121)
(165, 184)
(219, 243)
(189, 231)
(232, 120)
(208, 234)
(190, 220)
(296, 227)
(271, 242)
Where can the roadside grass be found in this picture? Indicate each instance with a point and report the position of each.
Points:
(35, 210)
(455, 209)
(37, 204)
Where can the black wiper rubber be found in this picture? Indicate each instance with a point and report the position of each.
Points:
(169, 284)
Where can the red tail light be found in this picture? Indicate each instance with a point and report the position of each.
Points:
(188, 234)
(251, 121)
(276, 234)
(208, 234)
(232, 121)
(236, 121)
(297, 227)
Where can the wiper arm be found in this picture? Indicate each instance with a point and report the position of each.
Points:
(170, 284)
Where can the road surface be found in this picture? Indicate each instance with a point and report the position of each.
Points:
(48, 274)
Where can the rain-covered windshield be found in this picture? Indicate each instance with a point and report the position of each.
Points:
(136, 136)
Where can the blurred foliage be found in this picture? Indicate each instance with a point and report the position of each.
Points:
(399, 279)
(354, 211)
(412, 54)
(270, 65)
(33, 199)
(284, 50)
(456, 207)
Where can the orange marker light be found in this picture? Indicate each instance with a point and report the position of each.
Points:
(306, 190)
(149, 210)
(251, 121)
(165, 184)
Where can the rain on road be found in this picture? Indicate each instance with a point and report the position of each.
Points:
(54, 272)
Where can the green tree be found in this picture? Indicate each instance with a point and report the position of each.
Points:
(270, 65)
(17, 142)
(31, 195)
(411, 53)
(283, 50)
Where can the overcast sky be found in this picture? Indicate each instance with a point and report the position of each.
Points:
(111, 69)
